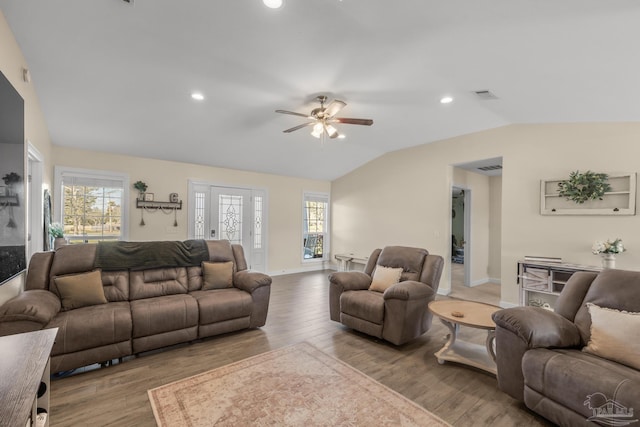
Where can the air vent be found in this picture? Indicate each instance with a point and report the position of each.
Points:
(485, 94)
(490, 168)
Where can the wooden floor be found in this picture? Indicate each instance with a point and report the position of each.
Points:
(488, 292)
(117, 395)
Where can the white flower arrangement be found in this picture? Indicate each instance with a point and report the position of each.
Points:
(608, 247)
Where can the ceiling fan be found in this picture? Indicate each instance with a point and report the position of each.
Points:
(323, 118)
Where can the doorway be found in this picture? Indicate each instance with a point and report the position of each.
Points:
(476, 198)
(460, 234)
(231, 213)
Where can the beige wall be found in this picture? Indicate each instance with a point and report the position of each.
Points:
(404, 196)
(163, 177)
(11, 64)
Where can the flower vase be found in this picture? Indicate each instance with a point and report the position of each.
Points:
(608, 260)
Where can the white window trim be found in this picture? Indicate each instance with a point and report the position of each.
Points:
(92, 173)
(326, 250)
(35, 201)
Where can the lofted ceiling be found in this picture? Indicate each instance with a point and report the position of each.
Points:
(116, 77)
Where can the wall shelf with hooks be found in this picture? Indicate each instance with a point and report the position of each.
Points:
(9, 201)
(141, 204)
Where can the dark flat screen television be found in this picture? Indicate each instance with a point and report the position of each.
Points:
(12, 182)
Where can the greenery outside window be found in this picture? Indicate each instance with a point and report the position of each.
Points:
(315, 211)
(91, 205)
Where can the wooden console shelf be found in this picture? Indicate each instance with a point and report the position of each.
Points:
(346, 261)
(541, 282)
(24, 369)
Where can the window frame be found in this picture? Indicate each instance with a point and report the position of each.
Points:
(326, 234)
(58, 193)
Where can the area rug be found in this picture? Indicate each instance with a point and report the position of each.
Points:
(293, 386)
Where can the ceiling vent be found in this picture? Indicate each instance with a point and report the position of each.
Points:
(485, 94)
(490, 168)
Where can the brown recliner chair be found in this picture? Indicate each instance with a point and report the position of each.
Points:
(400, 313)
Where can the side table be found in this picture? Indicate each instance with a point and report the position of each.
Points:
(453, 314)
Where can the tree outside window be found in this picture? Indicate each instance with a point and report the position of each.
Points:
(92, 204)
(316, 226)
(92, 213)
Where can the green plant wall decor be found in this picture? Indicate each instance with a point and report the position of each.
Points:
(583, 186)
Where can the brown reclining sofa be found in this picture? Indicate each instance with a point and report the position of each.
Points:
(148, 295)
(567, 367)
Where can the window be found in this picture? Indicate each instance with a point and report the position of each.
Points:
(91, 204)
(257, 222)
(199, 215)
(315, 221)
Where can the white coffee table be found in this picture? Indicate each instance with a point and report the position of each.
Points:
(456, 313)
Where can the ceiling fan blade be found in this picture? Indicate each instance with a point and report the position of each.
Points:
(293, 113)
(304, 125)
(334, 107)
(346, 121)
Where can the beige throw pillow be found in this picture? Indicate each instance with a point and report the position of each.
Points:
(615, 335)
(384, 277)
(80, 290)
(217, 275)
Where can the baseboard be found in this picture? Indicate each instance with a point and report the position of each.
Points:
(306, 269)
(443, 291)
(479, 282)
(485, 280)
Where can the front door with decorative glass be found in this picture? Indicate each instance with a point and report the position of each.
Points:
(234, 214)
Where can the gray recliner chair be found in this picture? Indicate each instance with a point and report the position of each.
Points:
(400, 313)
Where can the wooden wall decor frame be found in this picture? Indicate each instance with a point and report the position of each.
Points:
(621, 200)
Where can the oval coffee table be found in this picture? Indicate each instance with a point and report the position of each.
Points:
(453, 314)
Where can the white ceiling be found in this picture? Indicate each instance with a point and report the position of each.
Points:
(117, 78)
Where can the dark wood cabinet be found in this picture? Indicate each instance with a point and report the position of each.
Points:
(24, 369)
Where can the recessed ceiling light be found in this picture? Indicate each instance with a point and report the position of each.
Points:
(342, 136)
(273, 4)
(446, 100)
(197, 96)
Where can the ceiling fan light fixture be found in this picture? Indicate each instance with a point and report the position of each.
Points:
(331, 131)
(322, 119)
(273, 4)
(317, 131)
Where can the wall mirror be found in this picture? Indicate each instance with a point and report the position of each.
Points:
(12, 182)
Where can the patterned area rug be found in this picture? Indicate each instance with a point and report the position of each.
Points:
(292, 386)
